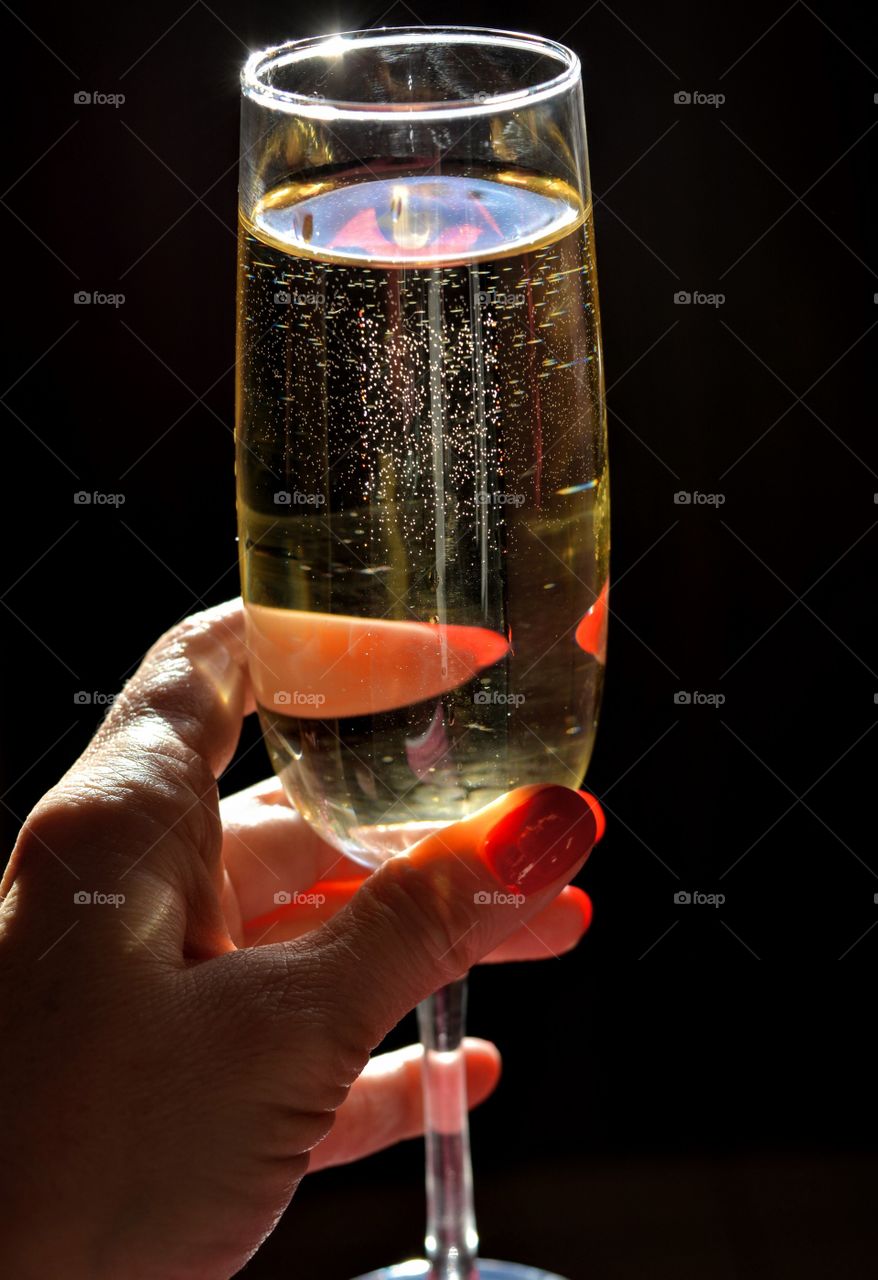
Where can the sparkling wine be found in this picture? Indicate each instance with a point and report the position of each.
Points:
(423, 509)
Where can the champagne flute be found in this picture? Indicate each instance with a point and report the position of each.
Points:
(421, 461)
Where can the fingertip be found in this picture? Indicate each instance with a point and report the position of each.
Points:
(583, 902)
(555, 930)
(483, 1068)
(600, 820)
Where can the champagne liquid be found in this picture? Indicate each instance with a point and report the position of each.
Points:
(423, 503)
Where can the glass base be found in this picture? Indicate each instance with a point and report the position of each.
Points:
(488, 1270)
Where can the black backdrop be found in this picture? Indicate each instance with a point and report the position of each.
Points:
(668, 1108)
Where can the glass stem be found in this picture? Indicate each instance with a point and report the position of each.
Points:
(451, 1242)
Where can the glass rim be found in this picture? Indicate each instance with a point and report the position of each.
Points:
(254, 87)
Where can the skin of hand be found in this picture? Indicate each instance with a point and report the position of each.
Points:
(165, 1081)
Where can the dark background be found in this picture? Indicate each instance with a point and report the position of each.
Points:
(691, 1115)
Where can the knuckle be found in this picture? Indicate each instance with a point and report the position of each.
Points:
(328, 1065)
(174, 640)
(77, 814)
(46, 832)
(102, 806)
(300, 997)
(426, 907)
(289, 1131)
(149, 767)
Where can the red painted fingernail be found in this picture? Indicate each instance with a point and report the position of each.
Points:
(541, 839)
(600, 820)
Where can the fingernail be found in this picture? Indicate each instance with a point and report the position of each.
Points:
(600, 820)
(541, 839)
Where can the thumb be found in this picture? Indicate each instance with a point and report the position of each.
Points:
(425, 917)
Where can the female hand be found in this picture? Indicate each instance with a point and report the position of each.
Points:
(165, 1082)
